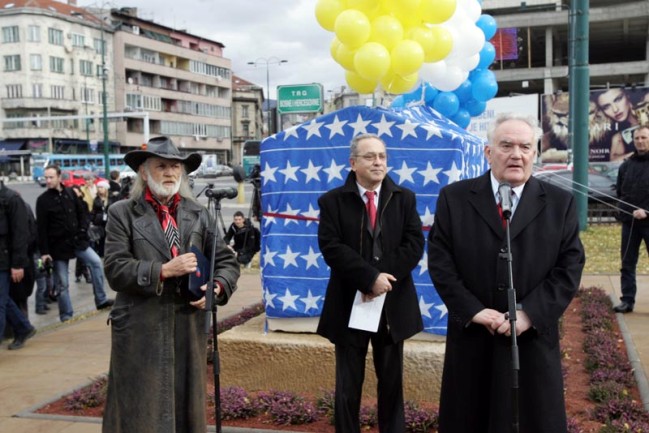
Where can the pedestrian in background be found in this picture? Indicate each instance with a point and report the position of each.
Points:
(13, 261)
(370, 236)
(467, 264)
(62, 221)
(633, 190)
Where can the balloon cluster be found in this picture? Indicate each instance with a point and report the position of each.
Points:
(399, 43)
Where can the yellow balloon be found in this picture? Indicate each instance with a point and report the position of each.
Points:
(407, 57)
(326, 12)
(345, 57)
(424, 37)
(333, 48)
(368, 7)
(437, 11)
(352, 28)
(396, 84)
(443, 44)
(406, 11)
(386, 30)
(372, 61)
(358, 83)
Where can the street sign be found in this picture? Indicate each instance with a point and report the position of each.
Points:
(299, 98)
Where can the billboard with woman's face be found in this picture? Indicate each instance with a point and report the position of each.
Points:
(613, 115)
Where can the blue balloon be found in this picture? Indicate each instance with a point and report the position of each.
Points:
(398, 102)
(430, 92)
(462, 118)
(487, 55)
(474, 107)
(485, 85)
(463, 92)
(488, 25)
(446, 103)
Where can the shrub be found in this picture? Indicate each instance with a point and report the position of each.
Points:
(624, 410)
(325, 405)
(607, 390)
(93, 395)
(237, 404)
(368, 417)
(419, 420)
(287, 408)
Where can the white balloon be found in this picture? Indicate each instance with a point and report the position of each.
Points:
(471, 8)
(465, 63)
(433, 72)
(452, 79)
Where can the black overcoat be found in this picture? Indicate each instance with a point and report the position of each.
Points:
(464, 264)
(346, 245)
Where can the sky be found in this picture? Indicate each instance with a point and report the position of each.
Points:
(253, 30)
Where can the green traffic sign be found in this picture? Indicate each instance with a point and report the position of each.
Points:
(301, 98)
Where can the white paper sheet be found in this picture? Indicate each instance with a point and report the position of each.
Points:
(366, 315)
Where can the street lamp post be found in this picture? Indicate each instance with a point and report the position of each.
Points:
(268, 61)
(104, 73)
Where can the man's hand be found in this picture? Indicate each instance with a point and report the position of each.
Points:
(17, 275)
(382, 285)
(497, 322)
(200, 304)
(46, 258)
(639, 214)
(181, 265)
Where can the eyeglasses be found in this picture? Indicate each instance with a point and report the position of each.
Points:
(525, 148)
(371, 157)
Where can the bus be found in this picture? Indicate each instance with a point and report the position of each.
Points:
(94, 163)
(250, 155)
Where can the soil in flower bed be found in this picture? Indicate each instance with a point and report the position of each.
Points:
(578, 405)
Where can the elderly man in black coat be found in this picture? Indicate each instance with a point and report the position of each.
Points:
(370, 235)
(466, 266)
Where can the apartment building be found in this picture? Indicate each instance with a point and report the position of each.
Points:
(534, 36)
(182, 81)
(53, 65)
(247, 119)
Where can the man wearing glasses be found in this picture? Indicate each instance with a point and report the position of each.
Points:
(370, 236)
(469, 267)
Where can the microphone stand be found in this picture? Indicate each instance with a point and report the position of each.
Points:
(214, 204)
(511, 308)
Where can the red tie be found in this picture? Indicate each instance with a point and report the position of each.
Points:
(371, 207)
(502, 218)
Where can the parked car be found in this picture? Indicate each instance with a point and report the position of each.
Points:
(600, 187)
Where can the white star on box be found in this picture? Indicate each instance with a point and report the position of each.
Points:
(453, 173)
(423, 263)
(428, 218)
(310, 301)
(442, 309)
(268, 257)
(405, 173)
(334, 171)
(269, 173)
(408, 128)
(269, 219)
(432, 130)
(383, 127)
(311, 213)
(313, 128)
(430, 174)
(289, 257)
(336, 127)
(424, 308)
(360, 126)
(311, 172)
(291, 132)
(290, 211)
(289, 172)
(311, 258)
(288, 300)
(268, 297)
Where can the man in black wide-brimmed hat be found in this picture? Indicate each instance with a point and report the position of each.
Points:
(157, 367)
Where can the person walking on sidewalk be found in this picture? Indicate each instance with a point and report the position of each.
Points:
(633, 190)
(157, 376)
(13, 261)
(370, 235)
(62, 235)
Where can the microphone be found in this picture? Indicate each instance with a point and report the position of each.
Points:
(218, 194)
(505, 191)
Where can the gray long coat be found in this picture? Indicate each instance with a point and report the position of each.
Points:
(158, 354)
(463, 261)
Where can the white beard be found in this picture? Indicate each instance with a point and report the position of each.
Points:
(160, 190)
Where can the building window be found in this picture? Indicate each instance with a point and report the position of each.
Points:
(57, 92)
(87, 95)
(35, 62)
(85, 68)
(14, 91)
(246, 129)
(12, 63)
(55, 37)
(37, 91)
(78, 40)
(10, 34)
(244, 112)
(98, 44)
(34, 33)
(56, 64)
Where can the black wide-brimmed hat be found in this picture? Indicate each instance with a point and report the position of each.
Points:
(162, 147)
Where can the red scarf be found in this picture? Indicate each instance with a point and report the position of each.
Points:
(167, 217)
